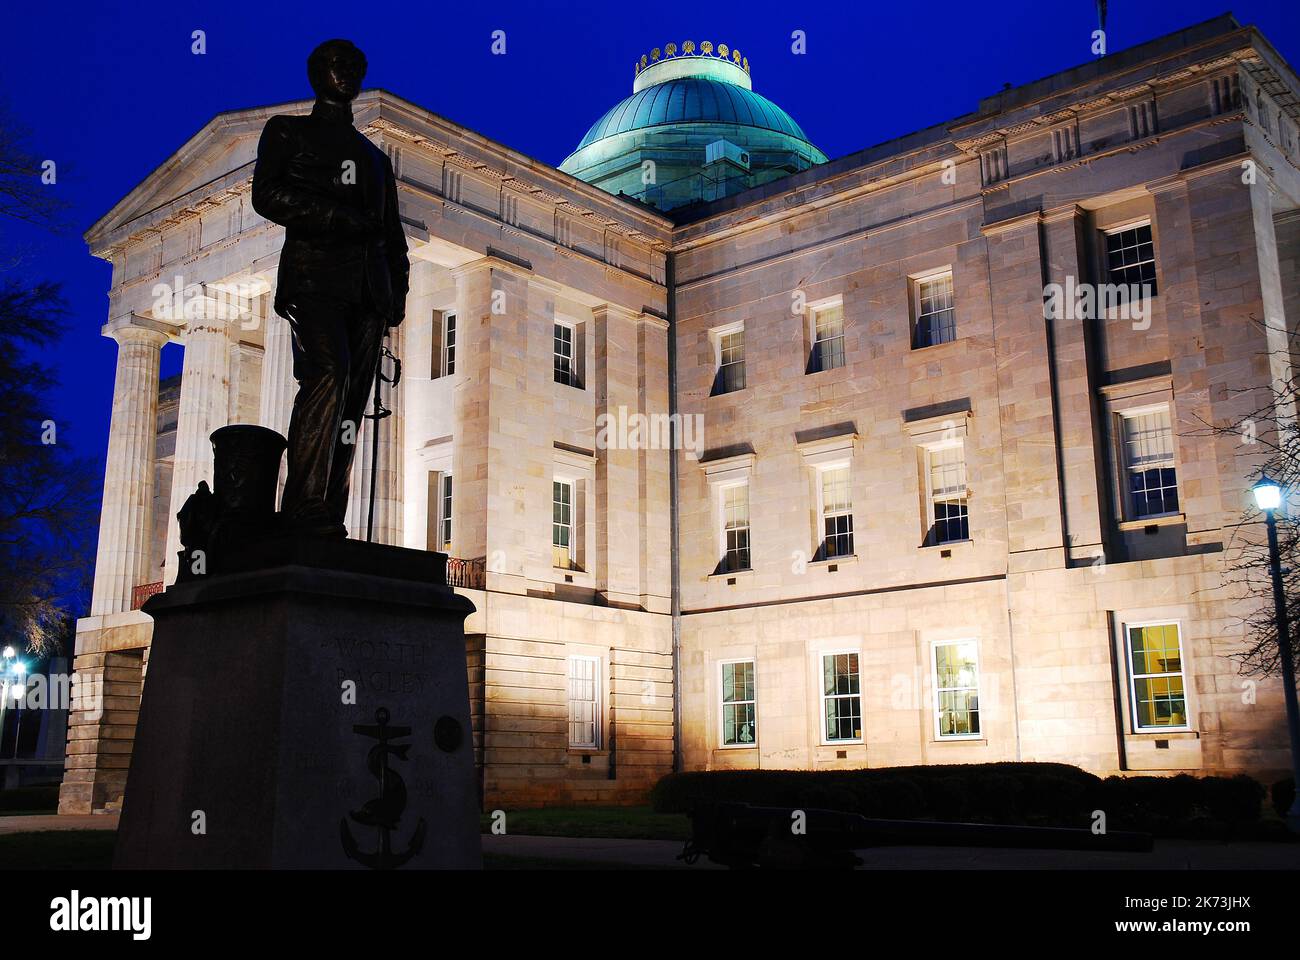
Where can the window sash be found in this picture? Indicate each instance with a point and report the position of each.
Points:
(949, 513)
(841, 698)
(448, 344)
(444, 513)
(735, 528)
(957, 711)
(731, 361)
(1157, 694)
(1147, 450)
(584, 702)
(563, 548)
(739, 704)
(836, 513)
(828, 337)
(563, 349)
(1131, 258)
(936, 316)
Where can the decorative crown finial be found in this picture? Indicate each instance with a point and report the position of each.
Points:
(689, 48)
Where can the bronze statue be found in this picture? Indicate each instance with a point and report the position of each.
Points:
(342, 281)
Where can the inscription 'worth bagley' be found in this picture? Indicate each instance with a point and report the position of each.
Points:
(382, 666)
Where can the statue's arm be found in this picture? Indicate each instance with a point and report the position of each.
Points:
(275, 194)
(399, 267)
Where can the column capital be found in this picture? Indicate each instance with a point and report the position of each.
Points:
(135, 328)
(492, 262)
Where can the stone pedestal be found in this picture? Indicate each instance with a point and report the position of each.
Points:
(306, 708)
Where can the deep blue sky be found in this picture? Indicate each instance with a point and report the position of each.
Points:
(110, 90)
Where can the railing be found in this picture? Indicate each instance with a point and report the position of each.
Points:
(467, 574)
(143, 592)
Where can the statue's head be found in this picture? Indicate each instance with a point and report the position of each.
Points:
(335, 70)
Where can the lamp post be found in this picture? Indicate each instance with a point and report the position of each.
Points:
(1268, 496)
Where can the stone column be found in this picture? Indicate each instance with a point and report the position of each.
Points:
(278, 385)
(503, 450)
(618, 496)
(205, 380)
(388, 497)
(1082, 469)
(122, 560)
(1035, 537)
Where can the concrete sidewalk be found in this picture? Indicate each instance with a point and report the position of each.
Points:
(662, 854)
(35, 823)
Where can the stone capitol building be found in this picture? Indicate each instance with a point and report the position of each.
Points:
(751, 458)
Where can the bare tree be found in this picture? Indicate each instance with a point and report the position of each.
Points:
(1268, 441)
(47, 495)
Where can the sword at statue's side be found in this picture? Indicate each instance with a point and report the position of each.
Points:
(379, 412)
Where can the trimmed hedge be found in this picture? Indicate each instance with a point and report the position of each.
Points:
(44, 796)
(1038, 794)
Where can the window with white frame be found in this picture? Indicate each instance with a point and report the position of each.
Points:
(956, 690)
(1131, 257)
(836, 510)
(947, 493)
(734, 514)
(841, 698)
(1150, 478)
(936, 319)
(584, 702)
(827, 329)
(739, 704)
(448, 344)
(566, 370)
(729, 346)
(563, 545)
(1155, 660)
(444, 513)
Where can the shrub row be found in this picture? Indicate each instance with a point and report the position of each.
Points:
(44, 796)
(1042, 794)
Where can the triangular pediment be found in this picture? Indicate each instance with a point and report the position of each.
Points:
(224, 149)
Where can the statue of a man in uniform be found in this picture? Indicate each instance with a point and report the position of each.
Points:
(342, 281)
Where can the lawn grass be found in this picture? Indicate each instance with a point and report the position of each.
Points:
(620, 823)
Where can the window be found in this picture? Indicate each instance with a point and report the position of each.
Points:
(444, 514)
(731, 361)
(1151, 481)
(841, 698)
(739, 707)
(956, 690)
(1131, 258)
(735, 528)
(1156, 677)
(448, 344)
(936, 320)
(584, 702)
(827, 338)
(948, 493)
(565, 369)
(836, 513)
(563, 549)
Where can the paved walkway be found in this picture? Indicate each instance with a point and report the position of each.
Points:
(662, 854)
(47, 821)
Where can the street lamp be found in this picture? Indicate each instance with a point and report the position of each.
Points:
(1268, 496)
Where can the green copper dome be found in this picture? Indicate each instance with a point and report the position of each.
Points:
(694, 100)
(692, 131)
